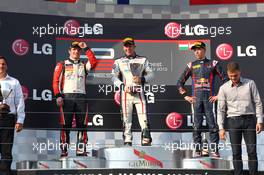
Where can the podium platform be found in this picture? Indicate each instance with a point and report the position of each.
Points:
(128, 159)
(157, 158)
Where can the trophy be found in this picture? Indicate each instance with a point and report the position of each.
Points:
(5, 91)
(136, 70)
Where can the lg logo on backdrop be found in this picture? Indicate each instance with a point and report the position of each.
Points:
(21, 47)
(225, 51)
(248, 51)
(45, 95)
(174, 120)
(98, 120)
(45, 49)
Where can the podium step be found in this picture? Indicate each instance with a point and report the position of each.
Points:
(82, 163)
(158, 158)
(43, 165)
(138, 157)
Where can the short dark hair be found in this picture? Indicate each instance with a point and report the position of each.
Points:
(233, 66)
(3, 58)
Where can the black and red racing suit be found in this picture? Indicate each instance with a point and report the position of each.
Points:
(203, 74)
(69, 83)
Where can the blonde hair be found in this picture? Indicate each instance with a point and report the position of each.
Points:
(233, 67)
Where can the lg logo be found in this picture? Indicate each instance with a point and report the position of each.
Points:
(248, 51)
(98, 120)
(190, 120)
(150, 97)
(225, 51)
(174, 120)
(21, 47)
(45, 49)
(45, 95)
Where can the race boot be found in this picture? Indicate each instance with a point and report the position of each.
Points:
(146, 137)
(197, 150)
(81, 144)
(64, 150)
(127, 143)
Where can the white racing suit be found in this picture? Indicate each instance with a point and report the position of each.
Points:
(123, 76)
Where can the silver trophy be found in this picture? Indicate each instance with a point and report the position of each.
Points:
(5, 91)
(136, 70)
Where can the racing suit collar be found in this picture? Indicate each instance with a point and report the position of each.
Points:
(203, 59)
(131, 56)
(73, 61)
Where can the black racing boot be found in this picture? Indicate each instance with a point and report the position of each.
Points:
(146, 137)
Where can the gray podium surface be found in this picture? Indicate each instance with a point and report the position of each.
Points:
(137, 157)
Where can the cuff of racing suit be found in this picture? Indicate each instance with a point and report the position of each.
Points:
(182, 94)
(86, 49)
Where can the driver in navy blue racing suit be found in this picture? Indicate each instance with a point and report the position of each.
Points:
(203, 72)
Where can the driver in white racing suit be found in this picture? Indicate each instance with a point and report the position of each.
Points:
(130, 73)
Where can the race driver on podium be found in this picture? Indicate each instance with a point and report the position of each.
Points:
(130, 73)
(69, 89)
(203, 72)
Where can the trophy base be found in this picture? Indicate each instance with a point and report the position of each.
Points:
(4, 109)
